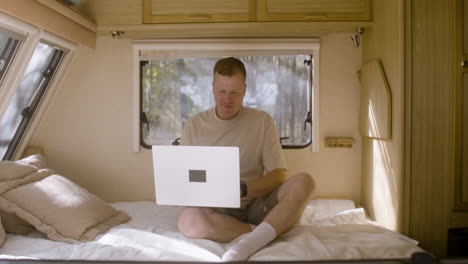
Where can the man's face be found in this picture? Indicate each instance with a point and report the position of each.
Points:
(229, 93)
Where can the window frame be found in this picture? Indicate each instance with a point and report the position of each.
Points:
(29, 111)
(171, 48)
(13, 45)
(31, 35)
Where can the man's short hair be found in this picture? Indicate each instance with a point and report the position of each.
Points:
(229, 67)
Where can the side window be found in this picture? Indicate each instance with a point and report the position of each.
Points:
(172, 90)
(8, 46)
(27, 96)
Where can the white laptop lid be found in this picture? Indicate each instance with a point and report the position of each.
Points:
(197, 176)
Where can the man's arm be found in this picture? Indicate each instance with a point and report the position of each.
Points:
(266, 184)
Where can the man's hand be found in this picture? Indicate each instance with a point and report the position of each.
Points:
(243, 189)
(266, 184)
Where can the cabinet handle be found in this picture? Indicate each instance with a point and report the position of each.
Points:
(200, 17)
(464, 63)
(315, 16)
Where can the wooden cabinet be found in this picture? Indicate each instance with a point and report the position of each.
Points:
(183, 11)
(186, 11)
(312, 10)
(461, 107)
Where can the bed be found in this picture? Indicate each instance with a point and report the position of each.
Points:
(329, 229)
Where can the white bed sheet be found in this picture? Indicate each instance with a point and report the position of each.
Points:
(152, 235)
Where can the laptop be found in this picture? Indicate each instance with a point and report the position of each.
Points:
(197, 176)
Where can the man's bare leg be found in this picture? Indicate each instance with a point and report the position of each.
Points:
(207, 224)
(293, 196)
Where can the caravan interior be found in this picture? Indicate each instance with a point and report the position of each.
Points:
(362, 95)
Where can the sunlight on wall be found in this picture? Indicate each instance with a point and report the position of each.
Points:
(384, 189)
(383, 165)
(373, 129)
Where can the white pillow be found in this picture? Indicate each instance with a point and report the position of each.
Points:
(319, 209)
(348, 217)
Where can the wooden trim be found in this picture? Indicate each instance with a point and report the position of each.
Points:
(408, 120)
(458, 55)
(232, 30)
(197, 18)
(400, 134)
(458, 86)
(264, 15)
(252, 10)
(147, 11)
(368, 12)
(148, 18)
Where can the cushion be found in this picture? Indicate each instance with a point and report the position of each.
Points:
(52, 203)
(319, 209)
(348, 217)
(37, 161)
(2, 235)
(15, 225)
(10, 221)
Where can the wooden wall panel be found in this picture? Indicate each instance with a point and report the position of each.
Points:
(430, 122)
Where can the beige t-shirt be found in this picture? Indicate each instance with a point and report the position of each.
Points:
(252, 130)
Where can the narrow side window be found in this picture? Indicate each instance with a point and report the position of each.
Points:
(27, 97)
(9, 43)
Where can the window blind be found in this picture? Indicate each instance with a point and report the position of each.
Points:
(205, 48)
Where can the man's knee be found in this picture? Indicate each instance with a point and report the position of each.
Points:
(306, 181)
(194, 222)
(300, 185)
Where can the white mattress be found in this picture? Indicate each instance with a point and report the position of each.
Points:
(325, 232)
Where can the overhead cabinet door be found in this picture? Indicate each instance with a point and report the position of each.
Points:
(183, 11)
(313, 10)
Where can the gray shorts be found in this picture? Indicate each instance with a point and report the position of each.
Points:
(255, 212)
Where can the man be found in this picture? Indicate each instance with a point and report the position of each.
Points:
(270, 200)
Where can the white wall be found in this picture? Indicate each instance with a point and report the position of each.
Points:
(87, 134)
(337, 171)
(383, 166)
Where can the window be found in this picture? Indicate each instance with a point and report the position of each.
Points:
(9, 43)
(27, 96)
(175, 89)
(173, 80)
(30, 60)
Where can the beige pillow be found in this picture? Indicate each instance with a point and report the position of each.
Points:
(52, 203)
(15, 225)
(37, 161)
(2, 235)
(12, 173)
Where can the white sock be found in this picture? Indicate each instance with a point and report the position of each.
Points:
(255, 240)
